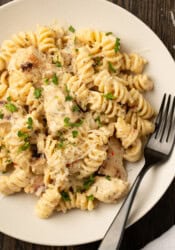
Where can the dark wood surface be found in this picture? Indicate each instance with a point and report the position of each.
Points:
(156, 14)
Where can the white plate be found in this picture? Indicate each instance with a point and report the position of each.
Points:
(16, 212)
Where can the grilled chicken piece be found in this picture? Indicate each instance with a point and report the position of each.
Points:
(108, 190)
(113, 165)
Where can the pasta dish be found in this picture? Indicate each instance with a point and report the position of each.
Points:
(72, 110)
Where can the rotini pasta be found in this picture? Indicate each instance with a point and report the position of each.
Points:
(71, 110)
(76, 200)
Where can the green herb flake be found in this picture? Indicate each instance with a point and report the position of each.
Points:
(109, 33)
(46, 81)
(37, 93)
(65, 196)
(1, 115)
(9, 161)
(108, 177)
(98, 121)
(30, 123)
(24, 147)
(58, 64)
(55, 79)
(67, 123)
(23, 135)
(71, 29)
(88, 182)
(68, 98)
(109, 96)
(117, 45)
(90, 197)
(98, 61)
(74, 133)
(75, 108)
(60, 134)
(111, 67)
(60, 145)
(11, 107)
(9, 98)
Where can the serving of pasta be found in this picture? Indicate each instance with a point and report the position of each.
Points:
(72, 110)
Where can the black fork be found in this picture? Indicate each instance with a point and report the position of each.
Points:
(157, 150)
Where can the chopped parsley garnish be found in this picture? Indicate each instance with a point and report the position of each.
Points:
(109, 33)
(97, 61)
(46, 81)
(111, 67)
(9, 98)
(60, 134)
(58, 64)
(30, 123)
(71, 29)
(61, 140)
(11, 107)
(24, 147)
(108, 177)
(68, 96)
(55, 79)
(67, 123)
(65, 196)
(60, 145)
(88, 182)
(1, 115)
(9, 161)
(75, 108)
(98, 121)
(23, 135)
(74, 133)
(90, 197)
(117, 45)
(109, 96)
(37, 93)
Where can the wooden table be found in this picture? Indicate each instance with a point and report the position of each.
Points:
(155, 13)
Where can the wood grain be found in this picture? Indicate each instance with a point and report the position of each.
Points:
(156, 14)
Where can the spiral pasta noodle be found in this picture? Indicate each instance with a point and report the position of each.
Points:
(141, 82)
(140, 105)
(76, 200)
(83, 65)
(14, 182)
(110, 108)
(126, 132)
(47, 203)
(4, 82)
(145, 127)
(110, 85)
(46, 39)
(133, 62)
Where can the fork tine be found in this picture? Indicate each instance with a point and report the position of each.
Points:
(164, 119)
(171, 120)
(159, 116)
(160, 110)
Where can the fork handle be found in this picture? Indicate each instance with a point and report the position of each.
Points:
(114, 235)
